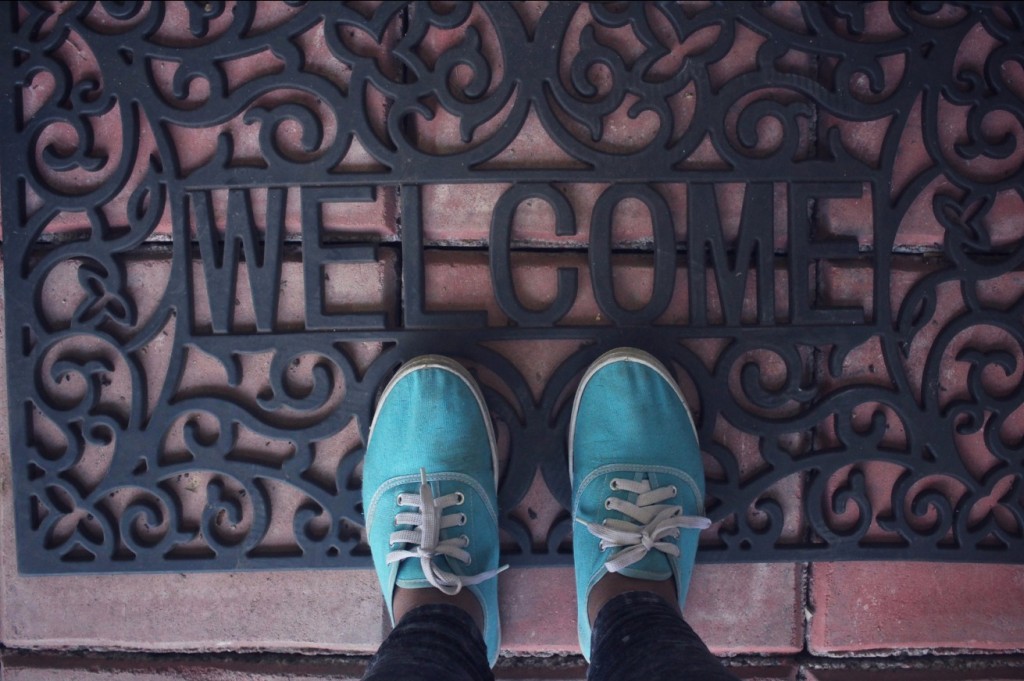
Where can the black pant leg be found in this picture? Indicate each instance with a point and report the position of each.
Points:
(431, 643)
(638, 636)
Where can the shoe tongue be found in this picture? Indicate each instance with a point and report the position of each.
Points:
(410, 572)
(654, 566)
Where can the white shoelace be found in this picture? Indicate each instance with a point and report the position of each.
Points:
(655, 522)
(424, 537)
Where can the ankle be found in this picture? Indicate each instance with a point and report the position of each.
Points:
(613, 584)
(408, 599)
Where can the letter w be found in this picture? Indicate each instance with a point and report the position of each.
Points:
(241, 238)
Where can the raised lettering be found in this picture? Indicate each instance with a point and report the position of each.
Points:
(241, 239)
(501, 255)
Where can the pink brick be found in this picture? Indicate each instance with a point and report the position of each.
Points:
(748, 608)
(889, 608)
(347, 288)
(620, 133)
(976, 670)
(920, 228)
(866, 365)
(443, 135)
(538, 511)
(28, 667)
(22, 667)
(196, 146)
(787, 492)
(352, 287)
(310, 611)
(462, 214)
(462, 281)
(292, 611)
(538, 611)
(737, 609)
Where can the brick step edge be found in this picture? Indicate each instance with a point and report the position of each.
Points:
(26, 665)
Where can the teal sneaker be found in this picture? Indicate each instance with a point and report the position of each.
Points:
(637, 477)
(429, 488)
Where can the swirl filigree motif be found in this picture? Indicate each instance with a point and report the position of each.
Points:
(225, 225)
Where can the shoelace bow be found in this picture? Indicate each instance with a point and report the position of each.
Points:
(425, 539)
(654, 522)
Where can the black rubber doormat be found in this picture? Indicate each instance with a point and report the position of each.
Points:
(225, 225)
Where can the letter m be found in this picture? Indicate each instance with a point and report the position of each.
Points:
(754, 248)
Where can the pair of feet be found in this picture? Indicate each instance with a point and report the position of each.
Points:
(430, 489)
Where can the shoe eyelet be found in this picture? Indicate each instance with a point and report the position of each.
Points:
(462, 519)
(608, 504)
(398, 500)
(459, 498)
(614, 484)
(675, 490)
(465, 540)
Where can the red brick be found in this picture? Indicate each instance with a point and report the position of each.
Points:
(348, 288)
(773, 622)
(462, 281)
(889, 608)
(461, 214)
(340, 220)
(292, 611)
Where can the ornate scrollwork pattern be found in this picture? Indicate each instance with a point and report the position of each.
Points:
(226, 224)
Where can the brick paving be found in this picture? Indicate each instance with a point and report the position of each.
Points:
(800, 616)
